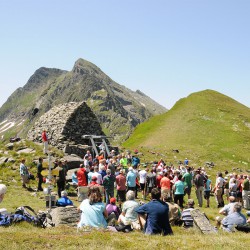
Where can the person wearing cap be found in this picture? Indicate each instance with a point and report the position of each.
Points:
(186, 215)
(245, 192)
(112, 208)
(64, 200)
(131, 179)
(108, 183)
(121, 186)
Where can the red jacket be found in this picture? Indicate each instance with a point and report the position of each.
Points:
(81, 177)
(44, 136)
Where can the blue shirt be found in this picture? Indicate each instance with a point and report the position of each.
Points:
(157, 217)
(131, 179)
(179, 187)
(233, 219)
(63, 202)
(92, 215)
(135, 161)
(207, 186)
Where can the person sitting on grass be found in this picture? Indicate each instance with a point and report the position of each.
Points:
(93, 211)
(64, 200)
(186, 215)
(234, 219)
(153, 216)
(129, 216)
(112, 208)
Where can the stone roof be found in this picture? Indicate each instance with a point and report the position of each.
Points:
(65, 124)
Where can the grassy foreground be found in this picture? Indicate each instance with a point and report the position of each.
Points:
(25, 236)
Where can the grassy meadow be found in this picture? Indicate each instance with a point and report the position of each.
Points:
(25, 236)
(204, 127)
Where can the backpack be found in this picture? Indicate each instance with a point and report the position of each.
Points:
(9, 219)
(29, 215)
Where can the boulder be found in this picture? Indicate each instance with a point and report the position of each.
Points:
(65, 216)
(3, 160)
(26, 151)
(9, 146)
(73, 161)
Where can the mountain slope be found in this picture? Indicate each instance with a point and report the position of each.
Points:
(205, 126)
(117, 108)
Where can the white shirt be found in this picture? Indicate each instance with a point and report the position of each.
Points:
(143, 176)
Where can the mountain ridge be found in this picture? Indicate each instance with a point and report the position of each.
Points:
(115, 106)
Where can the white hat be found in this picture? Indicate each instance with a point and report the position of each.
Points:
(64, 193)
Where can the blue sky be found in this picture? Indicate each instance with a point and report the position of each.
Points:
(167, 49)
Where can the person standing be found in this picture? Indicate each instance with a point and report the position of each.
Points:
(121, 187)
(60, 179)
(81, 176)
(39, 174)
(24, 173)
(187, 178)
(131, 179)
(219, 190)
(179, 191)
(143, 177)
(207, 190)
(199, 181)
(45, 142)
(108, 183)
(245, 192)
(150, 181)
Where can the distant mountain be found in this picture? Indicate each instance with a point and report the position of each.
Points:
(205, 126)
(118, 109)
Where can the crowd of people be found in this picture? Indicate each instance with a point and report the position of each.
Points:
(167, 186)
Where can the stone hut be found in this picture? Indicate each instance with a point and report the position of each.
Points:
(65, 124)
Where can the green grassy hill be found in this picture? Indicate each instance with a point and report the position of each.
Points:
(205, 126)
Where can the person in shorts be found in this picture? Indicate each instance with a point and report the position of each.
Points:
(207, 190)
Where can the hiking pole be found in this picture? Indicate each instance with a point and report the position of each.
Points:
(50, 179)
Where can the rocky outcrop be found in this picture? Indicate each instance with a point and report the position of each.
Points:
(66, 124)
(68, 216)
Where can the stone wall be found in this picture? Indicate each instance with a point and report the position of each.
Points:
(65, 124)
